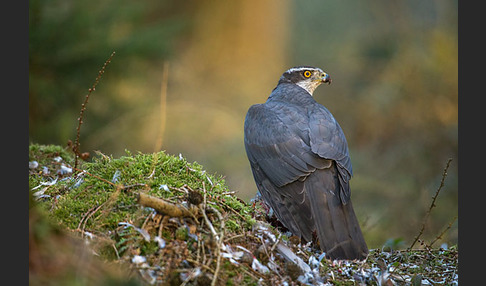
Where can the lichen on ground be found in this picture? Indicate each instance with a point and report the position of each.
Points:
(224, 241)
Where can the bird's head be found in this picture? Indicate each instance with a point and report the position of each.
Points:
(309, 78)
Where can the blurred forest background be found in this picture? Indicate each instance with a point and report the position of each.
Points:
(394, 67)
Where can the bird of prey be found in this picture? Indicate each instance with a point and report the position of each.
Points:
(300, 162)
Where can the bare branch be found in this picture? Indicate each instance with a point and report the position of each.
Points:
(444, 231)
(432, 205)
(75, 147)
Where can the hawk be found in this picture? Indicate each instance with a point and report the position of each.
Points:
(300, 162)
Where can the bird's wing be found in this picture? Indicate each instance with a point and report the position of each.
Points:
(328, 141)
(281, 159)
(277, 139)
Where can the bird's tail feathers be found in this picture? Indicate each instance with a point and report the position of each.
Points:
(337, 227)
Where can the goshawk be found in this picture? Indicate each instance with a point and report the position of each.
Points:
(300, 162)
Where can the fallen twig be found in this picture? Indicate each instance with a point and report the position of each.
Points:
(87, 215)
(220, 245)
(163, 206)
(206, 219)
(219, 238)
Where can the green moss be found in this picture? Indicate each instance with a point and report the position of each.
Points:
(45, 153)
(95, 201)
(181, 233)
(78, 196)
(232, 225)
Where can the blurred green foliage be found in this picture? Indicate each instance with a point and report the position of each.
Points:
(70, 40)
(394, 92)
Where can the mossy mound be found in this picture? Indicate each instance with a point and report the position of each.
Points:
(220, 240)
(99, 201)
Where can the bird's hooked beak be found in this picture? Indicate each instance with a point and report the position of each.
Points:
(325, 78)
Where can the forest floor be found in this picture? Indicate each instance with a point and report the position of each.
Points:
(156, 219)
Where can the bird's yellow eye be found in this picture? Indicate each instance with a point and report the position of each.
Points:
(307, 74)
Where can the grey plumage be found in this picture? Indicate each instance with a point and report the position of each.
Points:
(300, 162)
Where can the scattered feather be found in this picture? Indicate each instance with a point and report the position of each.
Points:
(143, 232)
(64, 170)
(78, 182)
(138, 259)
(321, 257)
(33, 164)
(191, 275)
(160, 241)
(88, 234)
(40, 194)
(232, 256)
(116, 176)
(52, 182)
(257, 266)
(314, 262)
(164, 187)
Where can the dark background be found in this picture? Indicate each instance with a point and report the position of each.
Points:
(394, 66)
